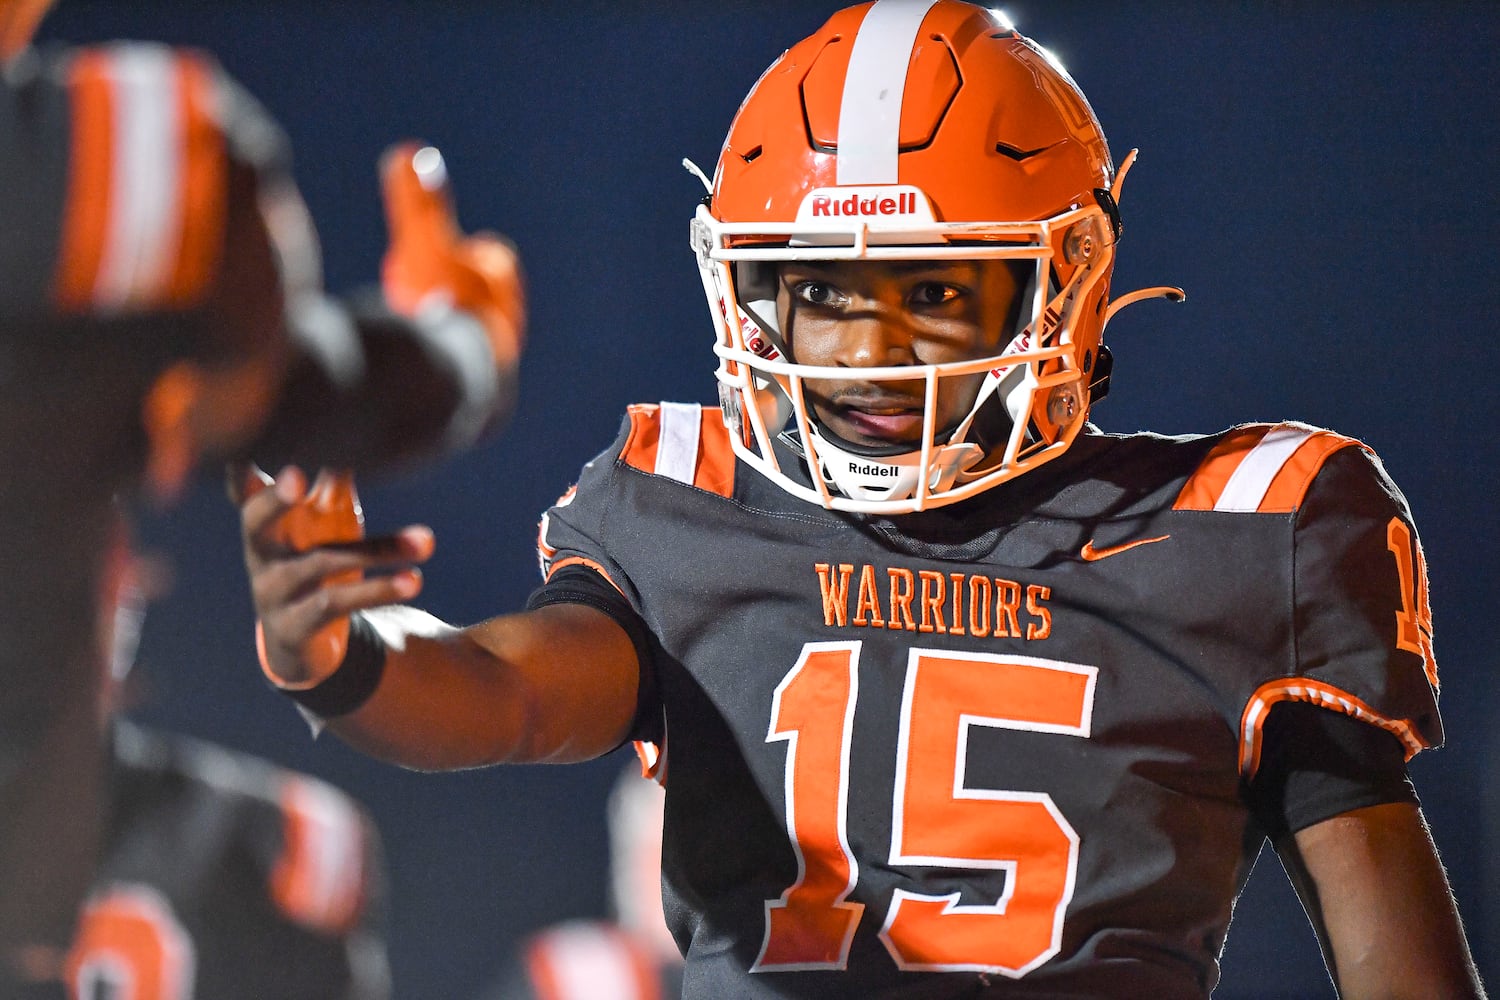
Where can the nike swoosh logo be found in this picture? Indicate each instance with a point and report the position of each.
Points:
(1091, 554)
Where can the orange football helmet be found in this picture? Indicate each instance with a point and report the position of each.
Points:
(914, 129)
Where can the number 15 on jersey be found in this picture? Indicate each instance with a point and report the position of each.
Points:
(937, 821)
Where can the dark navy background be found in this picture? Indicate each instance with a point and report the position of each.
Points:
(1321, 178)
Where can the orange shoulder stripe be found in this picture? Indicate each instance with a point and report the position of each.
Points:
(90, 169)
(205, 185)
(1290, 484)
(1320, 694)
(682, 441)
(1262, 468)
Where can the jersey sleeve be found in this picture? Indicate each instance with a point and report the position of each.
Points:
(1362, 626)
(577, 567)
(574, 531)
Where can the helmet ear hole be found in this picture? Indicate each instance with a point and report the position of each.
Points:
(1112, 209)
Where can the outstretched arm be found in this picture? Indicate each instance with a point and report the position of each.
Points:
(1372, 883)
(552, 685)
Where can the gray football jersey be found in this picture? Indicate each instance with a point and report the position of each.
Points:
(1002, 745)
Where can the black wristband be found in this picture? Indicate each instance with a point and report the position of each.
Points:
(355, 680)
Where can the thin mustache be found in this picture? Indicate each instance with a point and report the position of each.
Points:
(861, 398)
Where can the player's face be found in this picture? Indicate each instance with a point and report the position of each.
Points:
(874, 314)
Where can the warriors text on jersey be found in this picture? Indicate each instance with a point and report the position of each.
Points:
(1005, 744)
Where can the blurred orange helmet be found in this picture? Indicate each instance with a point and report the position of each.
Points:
(18, 21)
(913, 129)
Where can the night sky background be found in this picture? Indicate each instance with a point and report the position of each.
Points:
(1320, 177)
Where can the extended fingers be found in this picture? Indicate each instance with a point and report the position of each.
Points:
(298, 619)
(289, 577)
(266, 500)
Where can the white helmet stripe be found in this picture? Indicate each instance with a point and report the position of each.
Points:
(144, 227)
(870, 115)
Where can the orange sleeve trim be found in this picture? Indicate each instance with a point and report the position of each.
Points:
(653, 761)
(545, 550)
(86, 210)
(205, 185)
(582, 561)
(1324, 696)
(1206, 485)
(1289, 487)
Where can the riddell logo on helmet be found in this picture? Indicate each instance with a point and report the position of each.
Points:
(883, 201)
(904, 203)
(871, 469)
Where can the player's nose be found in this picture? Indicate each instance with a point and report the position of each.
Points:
(873, 338)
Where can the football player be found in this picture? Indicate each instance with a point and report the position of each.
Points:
(983, 700)
(219, 875)
(160, 304)
(215, 873)
(224, 876)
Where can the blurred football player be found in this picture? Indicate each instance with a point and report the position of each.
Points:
(219, 875)
(631, 955)
(161, 305)
(956, 693)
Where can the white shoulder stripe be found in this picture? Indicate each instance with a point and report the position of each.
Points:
(677, 448)
(870, 115)
(1247, 487)
(140, 245)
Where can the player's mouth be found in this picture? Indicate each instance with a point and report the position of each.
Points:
(874, 418)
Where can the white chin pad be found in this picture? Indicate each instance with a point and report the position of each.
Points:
(890, 477)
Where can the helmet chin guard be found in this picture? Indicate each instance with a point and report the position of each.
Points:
(987, 151)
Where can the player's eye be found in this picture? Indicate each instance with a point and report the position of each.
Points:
(934, 293)
(818, 293)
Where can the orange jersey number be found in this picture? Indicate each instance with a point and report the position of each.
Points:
(937, 820)
(1414, 620)
(129, 943)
